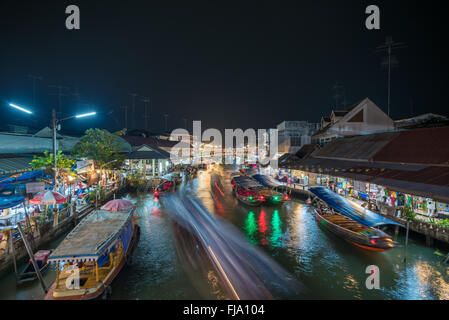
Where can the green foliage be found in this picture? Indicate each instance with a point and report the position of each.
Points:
(62, 162)
(444, 224)
(101, 147)
(409, 214)
(121, 132)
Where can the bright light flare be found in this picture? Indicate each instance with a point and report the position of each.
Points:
(20, 108)
(86, 115)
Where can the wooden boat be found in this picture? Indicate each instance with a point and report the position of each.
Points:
(274, 197)
(352, 231)
(249, 197)
(29, 274)
(350, 221)
(97, 249)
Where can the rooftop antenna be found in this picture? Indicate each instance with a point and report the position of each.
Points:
(126, 116)
(134, 95)
(390, 61)
(35, 78)
(60, 94)
(166, 117)
(339, 95)
(146, 100)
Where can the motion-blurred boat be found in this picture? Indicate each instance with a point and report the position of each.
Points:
(92, 255)
(164, 187)
(29, 273)
(355, 225)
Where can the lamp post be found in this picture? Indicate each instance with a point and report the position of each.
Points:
(54, 124)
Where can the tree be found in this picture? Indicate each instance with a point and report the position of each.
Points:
(100, 146)
(63, 164)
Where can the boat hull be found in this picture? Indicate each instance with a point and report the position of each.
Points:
(356, 239)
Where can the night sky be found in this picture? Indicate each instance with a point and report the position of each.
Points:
(231, 64)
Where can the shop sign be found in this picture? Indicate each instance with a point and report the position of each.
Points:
(35, 187)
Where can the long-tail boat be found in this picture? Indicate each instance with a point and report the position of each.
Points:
(271, 189)
(350, 222)
(246, 190)
(92, 255)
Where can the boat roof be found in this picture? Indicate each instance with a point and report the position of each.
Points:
(266, 181)
(91, 237)
(351, 209)
(247, 182)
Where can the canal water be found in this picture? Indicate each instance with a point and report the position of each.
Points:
(329, 267)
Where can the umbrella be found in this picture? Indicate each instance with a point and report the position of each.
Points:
(47, 198)
(118, 205)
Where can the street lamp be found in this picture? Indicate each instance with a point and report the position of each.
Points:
(54, 123)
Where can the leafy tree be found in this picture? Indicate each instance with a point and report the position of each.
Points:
(63, 164)
(100, 146)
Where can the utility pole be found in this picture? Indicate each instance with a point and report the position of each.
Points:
(166, 117)
(126, 116)
(390, 61)
(146, 100)
(35, 78)
(133, 122)
(54, 129)
(60, 94)
(77, 98)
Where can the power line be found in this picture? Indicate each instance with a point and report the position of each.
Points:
(388, 48)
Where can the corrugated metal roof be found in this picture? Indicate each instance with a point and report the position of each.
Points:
(424, 146)
(14, 165)
(356, 148)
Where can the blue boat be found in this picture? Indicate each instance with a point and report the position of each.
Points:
(350, 221)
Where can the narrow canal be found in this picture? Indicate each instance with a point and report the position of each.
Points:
(329, 267)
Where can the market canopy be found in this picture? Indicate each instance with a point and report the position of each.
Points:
(47, 198)
(351, 209)
(118, 205)
(7, 202)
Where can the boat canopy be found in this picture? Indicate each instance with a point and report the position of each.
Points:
(247, 182)
(267, 181)
(92, 237)
(7, 202)
(351, 209)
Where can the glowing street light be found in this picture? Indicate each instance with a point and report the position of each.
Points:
(20, 108)
(86, 115)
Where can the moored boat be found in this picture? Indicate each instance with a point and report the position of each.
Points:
(246, 190)
(336, 215)
(92, 255)
(29, 273)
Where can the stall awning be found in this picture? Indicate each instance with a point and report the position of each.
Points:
(7, 202)
(14, 165)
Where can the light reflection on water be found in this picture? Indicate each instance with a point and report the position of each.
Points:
(327, 265)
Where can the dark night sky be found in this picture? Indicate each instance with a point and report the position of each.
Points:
(242, 64)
